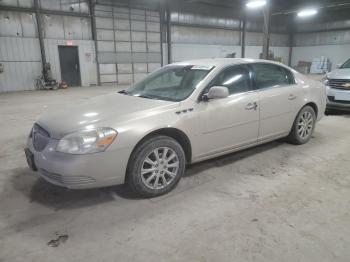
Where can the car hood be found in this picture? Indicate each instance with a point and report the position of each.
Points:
(339, 74)
(102, 111)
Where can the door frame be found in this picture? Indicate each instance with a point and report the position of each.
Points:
(200, 101)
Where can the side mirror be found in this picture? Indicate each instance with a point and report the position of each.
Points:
(216, 92)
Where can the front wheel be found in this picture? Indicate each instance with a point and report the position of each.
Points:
(156, 166)
(303, 126)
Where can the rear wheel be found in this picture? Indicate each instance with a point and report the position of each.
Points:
(156, 166)
(303, 126)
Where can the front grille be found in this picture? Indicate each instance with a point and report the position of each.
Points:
(40, 137)
(67, 180)
(343, 84)
(332, 99)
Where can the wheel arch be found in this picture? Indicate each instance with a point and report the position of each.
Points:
(174, 133)
(313, 106)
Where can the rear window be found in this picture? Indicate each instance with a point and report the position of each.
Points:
(270, 75)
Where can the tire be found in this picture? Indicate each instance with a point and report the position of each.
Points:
(303, 126)
(158, 176)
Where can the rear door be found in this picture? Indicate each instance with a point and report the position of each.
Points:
(279, 99)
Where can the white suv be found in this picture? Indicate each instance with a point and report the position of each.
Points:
(338, 87)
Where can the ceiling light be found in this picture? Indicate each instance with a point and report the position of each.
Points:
(307, 12)
(256, 3)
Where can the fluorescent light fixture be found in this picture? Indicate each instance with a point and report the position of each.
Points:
(256, 3)
(307, 12)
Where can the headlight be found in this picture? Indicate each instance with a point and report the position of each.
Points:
(87, 141)
(325, 81)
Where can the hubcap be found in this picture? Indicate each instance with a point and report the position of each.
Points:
(159, 168)
(305, 125)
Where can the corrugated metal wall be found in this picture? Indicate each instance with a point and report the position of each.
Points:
(189, 42)
(128, 43)
(19, 51)
(312, 41)
(86, 51)
(19, 44)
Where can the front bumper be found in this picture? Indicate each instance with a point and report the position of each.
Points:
(80, 171)
(332, 103)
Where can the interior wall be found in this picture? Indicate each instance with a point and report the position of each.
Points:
(87, 63)
(199, 42)
(75, 31)
(333, 44)
(19, 51)
(128, 42)
(337, 54)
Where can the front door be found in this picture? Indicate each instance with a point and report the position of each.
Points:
(230, 122)
(69, 61)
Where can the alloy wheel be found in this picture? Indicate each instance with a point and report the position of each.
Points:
(159, 168)
(305, 125)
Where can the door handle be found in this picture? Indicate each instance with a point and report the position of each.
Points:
(292, 97)
(251, 106)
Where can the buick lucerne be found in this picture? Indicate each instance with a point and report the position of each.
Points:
(182, 113)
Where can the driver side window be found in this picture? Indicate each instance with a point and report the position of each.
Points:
(236, 79)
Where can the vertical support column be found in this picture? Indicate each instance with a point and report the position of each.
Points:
(94, 37)
(291, 43)
(266, 30)
(161, 25)
(243, 32)
(168, 34)
(291, 40)
(40, 33)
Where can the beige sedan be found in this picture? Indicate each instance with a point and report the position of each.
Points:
(182, 113)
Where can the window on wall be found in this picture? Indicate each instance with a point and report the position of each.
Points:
(236, 79)
(270, 75)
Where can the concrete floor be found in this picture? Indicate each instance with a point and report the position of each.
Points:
(276, 202)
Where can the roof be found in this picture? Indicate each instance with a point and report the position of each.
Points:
(218, 62)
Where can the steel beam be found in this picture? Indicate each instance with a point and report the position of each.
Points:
(168, 34)
(161, 24)
(40, 34)
(290, 54)
(42, 11)
(94, 37)
(291, 30)
(243, 33)
(266, 30)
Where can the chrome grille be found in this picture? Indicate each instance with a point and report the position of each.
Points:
(340, 83)
(40, 137)
(67, 180)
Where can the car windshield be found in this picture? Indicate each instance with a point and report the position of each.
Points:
(171, 83)
(346, 64)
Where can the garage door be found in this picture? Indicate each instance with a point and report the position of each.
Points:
(128, 43)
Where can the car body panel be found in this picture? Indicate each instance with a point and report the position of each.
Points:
(236, 120)
(213, 128)
(340, 73)
(100, 111)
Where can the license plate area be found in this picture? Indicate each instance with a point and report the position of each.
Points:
(30, 159)
(343, 96)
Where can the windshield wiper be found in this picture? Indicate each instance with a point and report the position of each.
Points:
(123, 92)
(147, 96)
